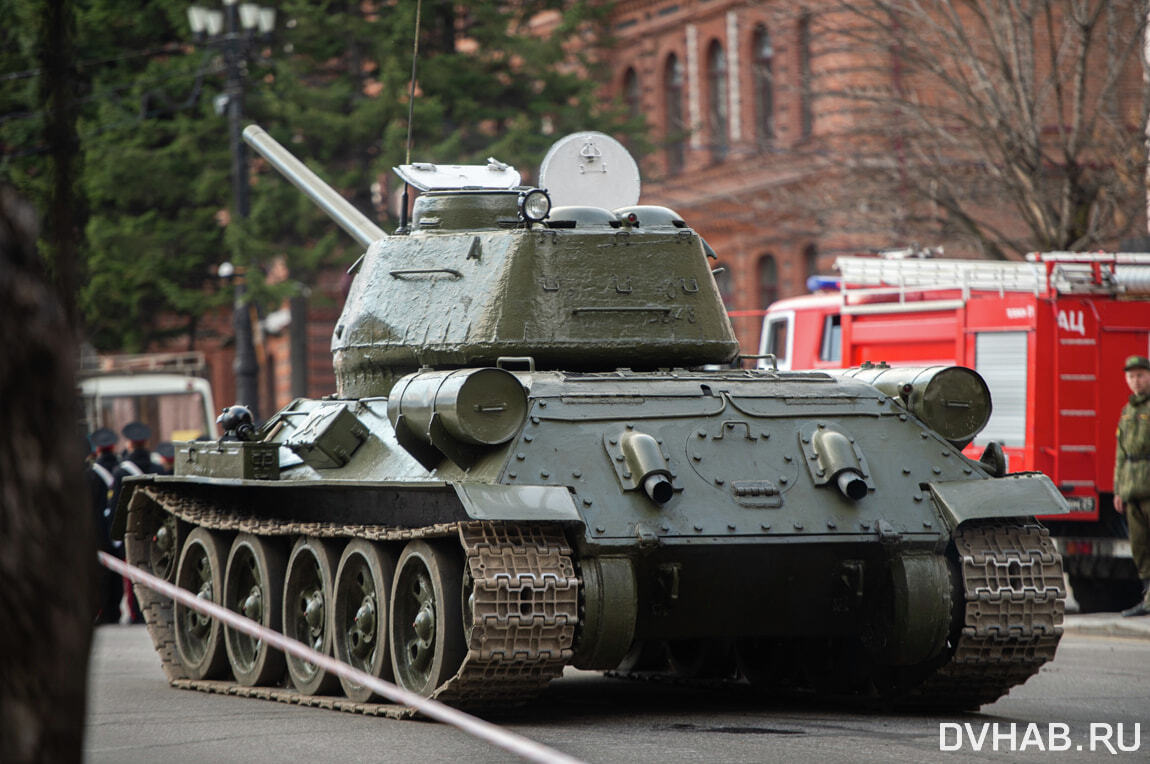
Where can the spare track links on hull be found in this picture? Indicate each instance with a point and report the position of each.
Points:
(1012, 620)
(525, 606)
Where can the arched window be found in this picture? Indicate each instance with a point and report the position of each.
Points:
(810, 260)
(764, 85)
(631, 92)
(719, 111)
(673, 124)
(768, 280)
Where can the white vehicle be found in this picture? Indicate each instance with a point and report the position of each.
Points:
(160, 390)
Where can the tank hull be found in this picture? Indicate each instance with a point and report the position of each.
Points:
(755, 557)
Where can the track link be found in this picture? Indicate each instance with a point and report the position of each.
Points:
(525, 599)
(1012, 616)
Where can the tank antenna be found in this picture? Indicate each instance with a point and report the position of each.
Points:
(410, 114)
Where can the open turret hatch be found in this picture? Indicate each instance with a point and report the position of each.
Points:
(590, 169)
(425, 176)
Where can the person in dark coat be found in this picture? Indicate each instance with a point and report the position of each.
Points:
(167, 453)
(101, 481)
(137, 462)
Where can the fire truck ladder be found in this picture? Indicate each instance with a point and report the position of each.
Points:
(879, 285)
(1117, 273)
(884, 285)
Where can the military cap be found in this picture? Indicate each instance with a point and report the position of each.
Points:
(1137, 362)
(103, 438)
(136, 431)
(166, 450)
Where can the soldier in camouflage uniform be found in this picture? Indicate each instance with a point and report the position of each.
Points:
(1132, 472)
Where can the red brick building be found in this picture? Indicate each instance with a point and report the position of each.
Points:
(752, 105)
(727, 87)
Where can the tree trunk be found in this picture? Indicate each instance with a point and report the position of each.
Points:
(47, 540)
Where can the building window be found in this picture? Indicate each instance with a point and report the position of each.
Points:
(631, 93)
(764, 85)
(768, 280)
(810, 261)
(673, 125)
(720, 108)
(806, 114)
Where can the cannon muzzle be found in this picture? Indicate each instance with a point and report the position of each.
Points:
(361, 228)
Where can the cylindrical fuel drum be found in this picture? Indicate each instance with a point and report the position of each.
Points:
(482, 407)
(954, 401)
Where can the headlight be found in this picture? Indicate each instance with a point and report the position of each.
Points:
(534, 205)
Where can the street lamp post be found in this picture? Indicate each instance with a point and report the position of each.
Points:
(236, 32)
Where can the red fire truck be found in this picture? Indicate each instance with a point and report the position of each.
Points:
(1048, 335)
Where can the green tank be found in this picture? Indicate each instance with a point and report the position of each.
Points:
(540, 456)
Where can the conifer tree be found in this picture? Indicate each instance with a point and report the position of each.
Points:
(332, 86)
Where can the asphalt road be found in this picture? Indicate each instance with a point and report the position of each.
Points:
(134, 716)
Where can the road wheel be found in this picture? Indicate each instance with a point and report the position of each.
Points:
(359, 613)
(253, 587)
(164, 543)
(306, 598)
(199, 638)
(426, 616)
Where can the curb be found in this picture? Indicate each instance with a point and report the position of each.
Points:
(1107, 625)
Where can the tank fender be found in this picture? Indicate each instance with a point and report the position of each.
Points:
(1020, 494)
(515, 503)
(120, 511)
(611, 606)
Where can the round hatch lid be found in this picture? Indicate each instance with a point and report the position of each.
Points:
(591, 169)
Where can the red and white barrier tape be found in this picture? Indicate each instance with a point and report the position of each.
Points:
(495, 735)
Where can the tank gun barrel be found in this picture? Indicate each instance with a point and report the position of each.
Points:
(351, 220)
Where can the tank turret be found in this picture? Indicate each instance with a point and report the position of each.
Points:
(487, 271)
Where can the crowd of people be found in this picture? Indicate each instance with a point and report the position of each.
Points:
(106, 469)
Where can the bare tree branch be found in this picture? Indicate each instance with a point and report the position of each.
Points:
(1010, 125)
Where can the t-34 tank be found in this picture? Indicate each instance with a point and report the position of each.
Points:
(539, 456)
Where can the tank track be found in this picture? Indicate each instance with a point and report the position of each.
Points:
(525, 607)
(1012, 617)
